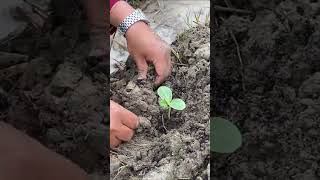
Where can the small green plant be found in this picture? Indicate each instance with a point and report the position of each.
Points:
(166, 101)
(197, 16)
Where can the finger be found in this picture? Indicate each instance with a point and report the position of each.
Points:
(129, 119)
(124, 133)
(142, 67)
(163, 70)
(160, 79)
(114, 141)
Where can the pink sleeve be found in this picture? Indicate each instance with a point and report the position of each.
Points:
(112, 2)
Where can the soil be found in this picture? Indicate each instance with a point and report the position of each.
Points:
(52, 95)
(164, 148)
(274, 94)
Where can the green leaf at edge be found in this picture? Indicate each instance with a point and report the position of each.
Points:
(165, 93)
(177, 104)
(225, 137)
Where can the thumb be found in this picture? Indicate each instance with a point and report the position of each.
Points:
(142, 67)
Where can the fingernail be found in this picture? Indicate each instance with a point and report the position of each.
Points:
(142, 75)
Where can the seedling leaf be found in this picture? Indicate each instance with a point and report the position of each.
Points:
(177, 104)
(163, 103)
(225, 137)
(165, 93)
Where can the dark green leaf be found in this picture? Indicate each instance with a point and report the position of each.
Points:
(225, 137)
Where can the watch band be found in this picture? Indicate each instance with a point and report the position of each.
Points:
(136, 16)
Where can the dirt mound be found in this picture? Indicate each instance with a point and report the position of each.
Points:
(168, 148)
(273, 95)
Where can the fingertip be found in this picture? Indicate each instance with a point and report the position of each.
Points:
(142, 69)
(142, 76)
(138, 122)
(158, 80)
(114, 142)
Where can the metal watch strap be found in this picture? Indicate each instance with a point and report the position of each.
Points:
(136, 16)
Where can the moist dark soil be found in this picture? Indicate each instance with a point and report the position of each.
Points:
(164, 148)
(53, 95)
(273, 96)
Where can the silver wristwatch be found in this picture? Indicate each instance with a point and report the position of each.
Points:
(136, 16)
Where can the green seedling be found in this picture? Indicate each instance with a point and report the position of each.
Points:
(166, 101)
(197, 17)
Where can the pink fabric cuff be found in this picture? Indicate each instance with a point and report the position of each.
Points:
(112, 2)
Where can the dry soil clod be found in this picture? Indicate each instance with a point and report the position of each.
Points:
(10, 59)
(144, 123)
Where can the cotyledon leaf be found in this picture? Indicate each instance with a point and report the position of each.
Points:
(163, 103)
(165, 93)
(177, 104)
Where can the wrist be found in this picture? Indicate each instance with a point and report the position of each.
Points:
(119, 12)
(138, 28)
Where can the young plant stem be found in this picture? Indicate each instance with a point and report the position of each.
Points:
(163, 123)
(169, 112)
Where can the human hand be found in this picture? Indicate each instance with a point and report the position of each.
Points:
(145, 47)
(25, 158)
(122, 124)
(143, 44)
